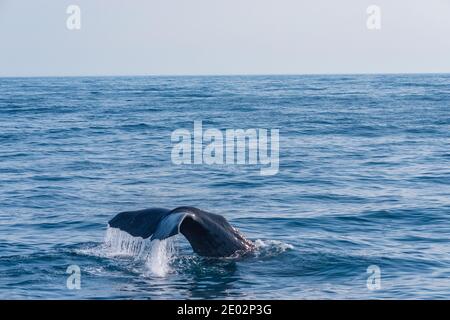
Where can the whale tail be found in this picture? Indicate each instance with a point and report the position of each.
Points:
(209, 234)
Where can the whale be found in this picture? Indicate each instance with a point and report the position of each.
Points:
(209, 234)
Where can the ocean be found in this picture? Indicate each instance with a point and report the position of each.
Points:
(359, 208)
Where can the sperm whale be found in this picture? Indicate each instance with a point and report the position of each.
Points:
(209, 234)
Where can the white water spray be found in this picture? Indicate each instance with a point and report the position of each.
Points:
(157, 255)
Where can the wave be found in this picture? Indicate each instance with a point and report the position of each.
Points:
(269, 248)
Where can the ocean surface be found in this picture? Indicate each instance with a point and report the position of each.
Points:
(364, 180)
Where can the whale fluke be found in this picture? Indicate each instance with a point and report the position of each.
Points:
(209, 234)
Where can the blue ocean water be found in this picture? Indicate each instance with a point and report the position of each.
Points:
(364, 180)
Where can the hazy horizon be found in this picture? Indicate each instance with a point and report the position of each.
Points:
(225, 75)
(201, 38)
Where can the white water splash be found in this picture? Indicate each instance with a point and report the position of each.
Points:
(120, 243)
(160, 257)
(156, 255)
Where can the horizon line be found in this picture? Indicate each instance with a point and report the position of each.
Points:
(222, 75)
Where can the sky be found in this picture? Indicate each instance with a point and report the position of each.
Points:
(204, 37)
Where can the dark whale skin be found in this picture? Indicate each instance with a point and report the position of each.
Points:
(209, 234)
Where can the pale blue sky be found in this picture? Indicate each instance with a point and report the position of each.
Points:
(157, 37)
